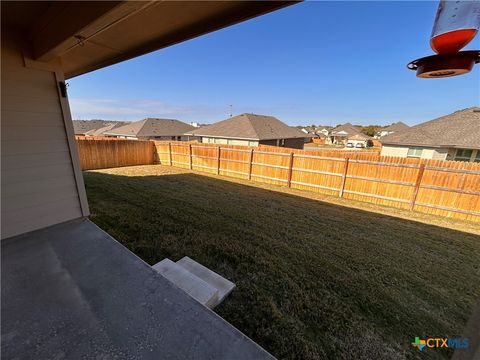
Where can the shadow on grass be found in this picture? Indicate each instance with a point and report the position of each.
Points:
(314, 280)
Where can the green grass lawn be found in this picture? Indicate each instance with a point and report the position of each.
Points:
(314, 279)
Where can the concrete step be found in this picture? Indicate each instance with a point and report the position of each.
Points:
(194, 286)
(223, 286)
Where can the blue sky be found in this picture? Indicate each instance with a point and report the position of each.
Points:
(313, 63)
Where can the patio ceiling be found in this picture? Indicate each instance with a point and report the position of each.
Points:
(90, 35)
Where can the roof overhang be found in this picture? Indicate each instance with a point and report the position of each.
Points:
(473, 147)
(243, 138)
(89, 35)
(224, 137)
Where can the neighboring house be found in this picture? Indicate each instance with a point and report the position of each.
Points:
(325, 130)
(360, 138)
(452, 137)
(394, 128)
(82, 127)
(101, 131)
(309, 136)
(341, 133)
(152, 128)
(251, 130)
(320, 138)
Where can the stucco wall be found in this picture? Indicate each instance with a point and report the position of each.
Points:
(38, 183)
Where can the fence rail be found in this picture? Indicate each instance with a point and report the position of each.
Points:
(445, 188)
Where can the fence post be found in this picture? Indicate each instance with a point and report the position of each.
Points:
(290, 166)
(155, 157)
(170, 153)
(250, 165)
(421, 169)
(190, 156)
(344, 177)
(218, 160)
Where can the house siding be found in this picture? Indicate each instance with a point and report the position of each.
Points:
(392, 150)
(440, 154)
(38, 181)
(294, 143)
(402, 151)
(221, 141)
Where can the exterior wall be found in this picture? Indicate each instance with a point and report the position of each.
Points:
(439, 154)
(39, 185)
(427, 153)
(392, 150)
(402, 151)
(294, 143)
(210, 140)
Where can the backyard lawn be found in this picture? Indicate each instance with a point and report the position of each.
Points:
(316, 277)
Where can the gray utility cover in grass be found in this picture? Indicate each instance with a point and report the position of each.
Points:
(70, 291)
(223, 285)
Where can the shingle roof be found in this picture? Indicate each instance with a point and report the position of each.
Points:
(81, 127)
(398, 126)
(347, 128)
(460, 129)
(359, 136)
(101, 131)
(250, 127)
(152, 127)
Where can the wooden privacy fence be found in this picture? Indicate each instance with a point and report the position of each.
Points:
(445, 188)
(101, 154)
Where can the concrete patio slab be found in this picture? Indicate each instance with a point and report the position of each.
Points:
(71, 291)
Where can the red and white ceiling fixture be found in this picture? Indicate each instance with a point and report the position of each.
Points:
(456, 24)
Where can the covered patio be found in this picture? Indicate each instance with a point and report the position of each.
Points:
(69, 290)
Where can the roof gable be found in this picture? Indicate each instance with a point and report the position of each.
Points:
(251, 127)
(152, 127)
(102, 130)
(346, 129)
(460, 129)
(398, 126)
(82, 127)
